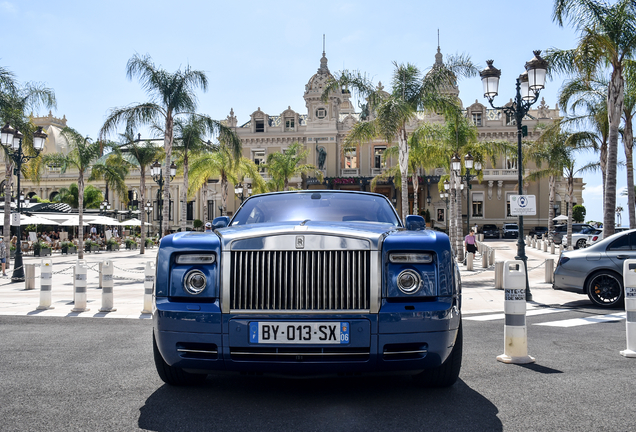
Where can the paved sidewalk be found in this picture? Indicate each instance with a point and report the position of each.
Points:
(479, 293)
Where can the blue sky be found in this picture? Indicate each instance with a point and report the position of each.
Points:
(261, 54)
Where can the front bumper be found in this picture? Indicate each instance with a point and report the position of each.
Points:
(401, 337)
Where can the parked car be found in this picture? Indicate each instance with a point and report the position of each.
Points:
(538, 231)
(307, 283)
(490, 231)
(510, 230)
(597, 270)
(560, 231)
(597, 235)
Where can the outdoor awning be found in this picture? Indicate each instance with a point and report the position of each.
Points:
(560, 218)
(134, 222)
(36, 220)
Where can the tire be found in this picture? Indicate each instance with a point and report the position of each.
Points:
(447, 373)
(580, 243)
(605, 289)
(173, 375)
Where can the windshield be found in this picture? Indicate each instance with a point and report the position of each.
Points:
(510, 226)
(316, 206)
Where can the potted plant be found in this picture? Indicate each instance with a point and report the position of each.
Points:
(41, 249)
(91, 246)
(112, 245)
(68, 247)
(149, 242)
(131, 244)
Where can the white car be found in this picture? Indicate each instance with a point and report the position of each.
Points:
(598, 235)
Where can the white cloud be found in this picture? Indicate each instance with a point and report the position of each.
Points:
(8, 7)
(593, 192)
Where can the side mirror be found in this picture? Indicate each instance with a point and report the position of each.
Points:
(220, 222)
(415, 223)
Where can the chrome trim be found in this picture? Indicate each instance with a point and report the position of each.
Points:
(415, 275)
(405, 352)
(187, 282)
(376, 282)
(226, 277)
(298, 312)
(287, 242)
(306, 354)
(196, 351)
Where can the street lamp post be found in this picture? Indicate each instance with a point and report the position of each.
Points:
(446, 188)
(469, 163)
(243, 191)
(12, 139)
(157, 176)
(529, 84)
(148, 212)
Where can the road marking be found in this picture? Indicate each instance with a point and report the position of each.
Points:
(530, 312)
(585, 321)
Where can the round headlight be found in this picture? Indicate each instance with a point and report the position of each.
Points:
(408, 282)
(195, 282)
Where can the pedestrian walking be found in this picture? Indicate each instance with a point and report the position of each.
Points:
(469, 240)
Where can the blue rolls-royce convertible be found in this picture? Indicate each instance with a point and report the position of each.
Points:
(309, 283)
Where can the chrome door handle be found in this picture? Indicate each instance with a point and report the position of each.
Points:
(622, 256)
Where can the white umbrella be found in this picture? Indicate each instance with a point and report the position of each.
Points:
(36, 220)
(134, 222)
(72, 221)
(560, 218)
(101, 220)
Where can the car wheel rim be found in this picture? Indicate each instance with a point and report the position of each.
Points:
(605, 289)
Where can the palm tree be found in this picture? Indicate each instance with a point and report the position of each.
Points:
(607, 38)
(190, 133)
(92, 196)
(113, 169)
(391, 113)
(282, 166)
(84, 152)
(15, 102)
(172, 94)
(629, 111)
(142, 154)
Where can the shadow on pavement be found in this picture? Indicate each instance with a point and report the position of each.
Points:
(234, 402)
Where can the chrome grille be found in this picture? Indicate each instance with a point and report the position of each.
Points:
(300, 280)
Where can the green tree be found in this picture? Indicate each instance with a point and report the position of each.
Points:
(16, 100)
(578, 213)
(92, 196)
(172, 95)
(113, 169)
(82, 155)
(391, 113)
(607, 39)
(282, 166)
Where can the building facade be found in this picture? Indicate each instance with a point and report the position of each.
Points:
(322, 127)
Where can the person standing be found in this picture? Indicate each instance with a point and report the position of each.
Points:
(208, 227)
(3, 256)
(469, 240)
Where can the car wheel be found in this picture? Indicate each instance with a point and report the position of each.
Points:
(446, 374)
(580, 243)
(605, 289)
(173, 375)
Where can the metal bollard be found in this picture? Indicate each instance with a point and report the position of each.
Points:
(81, 270)
(515, 332)
(484, 257)
(29, 276)
(149, 284)
(46, 276)
(552, 248)
(491, 257)
(549, 270)
(106, 274)
(469, 260)
(499, 268)
(545, 245)
(629, 280)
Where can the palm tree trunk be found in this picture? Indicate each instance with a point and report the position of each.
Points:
(628, 142)
(224, 192)
(570, 202)
(8, 172)
(184, 194)
(460, 226)
(416, 187)
(80, 209)
(614, 111)
(167, 146)
(205, 202)
(603, 163)
(551, 197)
(142, 187)
(403, 160)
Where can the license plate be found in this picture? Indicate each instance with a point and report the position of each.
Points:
(299, 332)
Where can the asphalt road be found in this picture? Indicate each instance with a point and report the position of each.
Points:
(68, 374)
